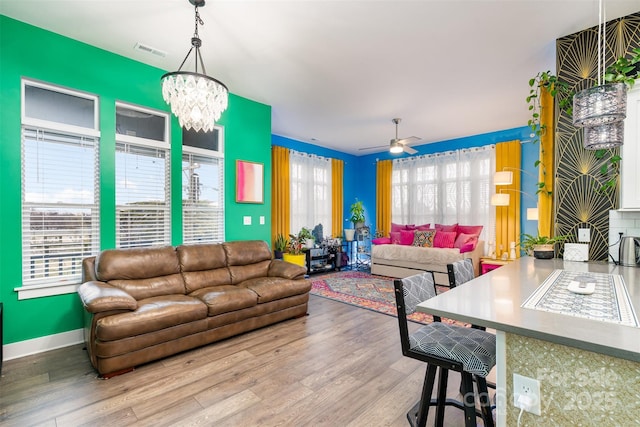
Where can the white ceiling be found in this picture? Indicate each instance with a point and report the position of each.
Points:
(337, 72)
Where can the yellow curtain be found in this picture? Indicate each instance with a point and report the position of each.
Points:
(383, 196)
(280, 202)
(337, 197)
(545, 201)
(508, 158)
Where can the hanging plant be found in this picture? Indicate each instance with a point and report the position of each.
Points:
(558, 90)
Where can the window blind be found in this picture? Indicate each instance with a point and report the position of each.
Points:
(202, 198)
(142, 196)
(60, 205)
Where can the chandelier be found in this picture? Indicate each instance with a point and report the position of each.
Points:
(196, 99)
(601, 110)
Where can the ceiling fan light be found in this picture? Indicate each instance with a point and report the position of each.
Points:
(396, 148)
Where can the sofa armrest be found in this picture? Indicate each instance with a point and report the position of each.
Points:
(279, 268)
(99, 296)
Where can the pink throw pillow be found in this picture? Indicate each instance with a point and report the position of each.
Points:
(470, 229)
(467, 248)
(441, 227)
(424, 227)
(406, 237)
(463, 239)
(397, 227)
(381, 241)
(395, 237)
(444, 239)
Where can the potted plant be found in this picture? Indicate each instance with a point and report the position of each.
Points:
(280, 245)
(295, 251)
(541, 247)
(357, 214)
(356, 218)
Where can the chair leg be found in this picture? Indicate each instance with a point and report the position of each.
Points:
(420, 419)
(442, 396)
(485, 402)
(468, 400)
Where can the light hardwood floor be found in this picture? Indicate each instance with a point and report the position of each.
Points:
(338, 366)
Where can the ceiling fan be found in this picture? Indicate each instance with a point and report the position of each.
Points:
(398, 145)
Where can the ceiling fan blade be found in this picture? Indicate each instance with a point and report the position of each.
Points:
(408, 140)
(409, 150)
(373, 148)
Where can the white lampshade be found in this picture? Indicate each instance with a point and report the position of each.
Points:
(500, 199)
(532, 214)
(396, 147)
(503, 178)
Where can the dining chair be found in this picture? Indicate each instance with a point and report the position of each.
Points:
(446, 347)
(460, 272)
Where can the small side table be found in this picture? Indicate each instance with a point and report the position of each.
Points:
(487, 264)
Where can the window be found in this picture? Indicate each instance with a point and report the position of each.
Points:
(142, 178)
(445, 188)
(310, 181)
(60, 204)
(202, 187)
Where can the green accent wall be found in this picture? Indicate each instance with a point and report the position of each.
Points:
(30, 52)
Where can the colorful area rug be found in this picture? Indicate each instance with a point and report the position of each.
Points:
(365, 291)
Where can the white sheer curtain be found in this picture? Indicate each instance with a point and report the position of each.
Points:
(310, 181)
(446, 188)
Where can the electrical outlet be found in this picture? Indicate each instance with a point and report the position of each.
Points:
(530, 389)
(584, 235)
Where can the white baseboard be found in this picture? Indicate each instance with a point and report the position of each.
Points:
(39, 345)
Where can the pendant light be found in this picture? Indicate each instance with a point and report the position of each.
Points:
(196, 99)
(600, 110)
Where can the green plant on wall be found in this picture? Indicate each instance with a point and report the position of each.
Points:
(558, 90)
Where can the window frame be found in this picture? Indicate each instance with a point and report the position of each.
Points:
(165, 146)
(50, 287)
(215, 154)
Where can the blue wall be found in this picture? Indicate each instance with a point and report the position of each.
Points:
(360, 171)
(352, 183)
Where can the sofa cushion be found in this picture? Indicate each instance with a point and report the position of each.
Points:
(225, 298)
(136, 263)
(273, 288)
(141, 272)
(443, 227)
(406, 237)
(152, 287)
(152, 314)
(470, 229)
(423, 238)
(201, 257)
(381, 241)
(247, 252)
(464, 239)
(395, 237)
(444, 239)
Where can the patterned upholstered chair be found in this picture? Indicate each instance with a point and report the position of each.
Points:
(471, 352)
(460, 272)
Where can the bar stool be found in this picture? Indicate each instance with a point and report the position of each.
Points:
(472, 352)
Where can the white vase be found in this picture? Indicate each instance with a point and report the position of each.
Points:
(349, 234)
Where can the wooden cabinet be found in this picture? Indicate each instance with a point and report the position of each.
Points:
(630, 153)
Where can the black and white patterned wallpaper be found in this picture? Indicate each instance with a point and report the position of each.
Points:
(577, 201)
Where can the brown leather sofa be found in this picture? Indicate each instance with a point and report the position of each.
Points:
(145, 304)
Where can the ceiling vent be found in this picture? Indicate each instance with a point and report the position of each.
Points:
(148, 49)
